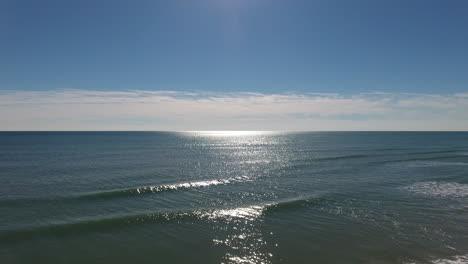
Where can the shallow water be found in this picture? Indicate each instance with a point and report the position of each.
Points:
(252, 197)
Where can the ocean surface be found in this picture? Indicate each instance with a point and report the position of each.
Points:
(233, 197)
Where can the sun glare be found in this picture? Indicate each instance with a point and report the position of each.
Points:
(229, 133)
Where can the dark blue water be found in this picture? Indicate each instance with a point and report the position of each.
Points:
(160, 197)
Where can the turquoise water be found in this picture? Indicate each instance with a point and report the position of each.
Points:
(252, 197)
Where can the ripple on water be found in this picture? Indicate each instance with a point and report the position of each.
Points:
(242, 239)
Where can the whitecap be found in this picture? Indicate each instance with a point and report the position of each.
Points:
(460, 259)
(194, 184)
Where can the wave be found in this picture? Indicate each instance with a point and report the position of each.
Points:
(417, 159)
(304, 163)
(344, 157)
(295, 203)
(163, 188)
(255, 211)
(460, 259)
(428, 152)
(415, 152)
(247, 213)
(88, 224)
(363, 156)
(439, 189)
(129, 191)
(394, 154)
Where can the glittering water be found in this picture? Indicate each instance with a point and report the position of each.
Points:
(233, 197)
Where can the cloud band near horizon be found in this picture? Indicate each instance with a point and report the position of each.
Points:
(173, 110)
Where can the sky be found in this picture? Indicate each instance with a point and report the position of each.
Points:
(233, 65)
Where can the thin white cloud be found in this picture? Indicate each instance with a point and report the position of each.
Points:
(173, 110)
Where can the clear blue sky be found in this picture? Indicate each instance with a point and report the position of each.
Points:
(268, 46)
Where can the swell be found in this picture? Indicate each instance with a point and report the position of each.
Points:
(248, 213)
(295, 203)
(86, 225)
(431, 152)
(306, 162)
(161, 188)
(357, 156)
(360, 156)
(417, 159)
(415, 152)
(126, 192)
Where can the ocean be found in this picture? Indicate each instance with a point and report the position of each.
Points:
(233, 197)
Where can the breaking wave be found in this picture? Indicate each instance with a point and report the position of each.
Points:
(460, 259)
(129, 192)
(163, 188)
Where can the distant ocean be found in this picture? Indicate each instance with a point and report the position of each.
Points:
(252, 197)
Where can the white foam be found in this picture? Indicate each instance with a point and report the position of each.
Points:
(460, 259)
(439, 189)
(244, 259)
(187, 185)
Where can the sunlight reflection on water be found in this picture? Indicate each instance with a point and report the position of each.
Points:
(230, 133)
(244, 241)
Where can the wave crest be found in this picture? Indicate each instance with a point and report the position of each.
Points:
(162, 188)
